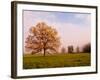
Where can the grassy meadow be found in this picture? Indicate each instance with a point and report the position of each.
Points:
(57, 60)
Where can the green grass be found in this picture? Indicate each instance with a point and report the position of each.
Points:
(57, 60)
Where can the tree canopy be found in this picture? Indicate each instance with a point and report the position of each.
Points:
(42, 38)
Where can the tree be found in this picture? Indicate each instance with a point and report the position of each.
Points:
(87, 48)
(63, 50)
(42, 38)
(70, 49)
(77, 49)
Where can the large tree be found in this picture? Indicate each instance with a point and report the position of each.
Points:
(42, 38)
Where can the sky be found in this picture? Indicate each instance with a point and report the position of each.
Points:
(73, 28)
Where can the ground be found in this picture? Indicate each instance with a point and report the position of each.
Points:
(58, 60)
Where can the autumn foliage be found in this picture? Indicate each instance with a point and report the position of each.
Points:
(42, 38)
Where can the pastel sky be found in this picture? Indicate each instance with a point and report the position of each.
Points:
(73, 28)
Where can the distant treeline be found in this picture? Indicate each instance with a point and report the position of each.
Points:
(70, 49)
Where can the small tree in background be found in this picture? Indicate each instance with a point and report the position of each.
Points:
(63, 50)
(87, 48)
(70, 49)
(77, 49)
(42, 38)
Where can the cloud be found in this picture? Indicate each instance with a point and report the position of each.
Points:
(39, 16)
(71, 33)
(85, 18)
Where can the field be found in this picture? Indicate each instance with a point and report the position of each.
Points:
(53, 61)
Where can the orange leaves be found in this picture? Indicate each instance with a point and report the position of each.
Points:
(43, 37)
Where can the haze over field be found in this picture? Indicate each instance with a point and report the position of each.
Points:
(73, 28)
